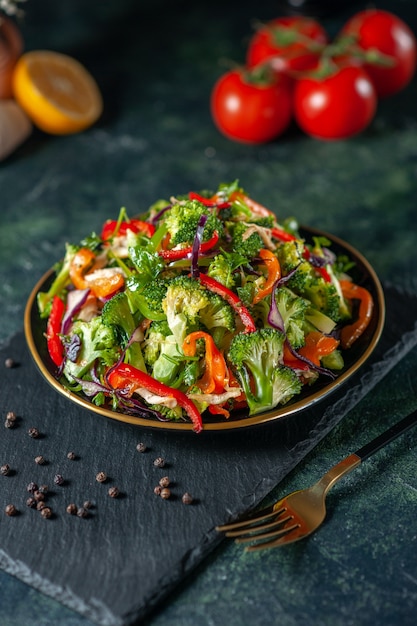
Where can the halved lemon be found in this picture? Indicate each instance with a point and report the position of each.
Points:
(57, 92)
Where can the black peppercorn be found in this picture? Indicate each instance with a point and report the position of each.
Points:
(157, 490)
(58, 479)
(164, 482)
(82, 512)
(11, 419)
(9, 363)
(87, 504)
(46, 512)
(71, 456)
(38, 495)
(40, 460)
(159, 462)
(141, 447)
(33, 432)
(11, 510)
(5, 470)
(101, 477)
(40, 505)
(32, 487)
(72, 509)
(114, 492)
(31, 502)
(165, 493)
(43, 489)
(187, 498)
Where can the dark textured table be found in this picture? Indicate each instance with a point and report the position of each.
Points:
(156, 138)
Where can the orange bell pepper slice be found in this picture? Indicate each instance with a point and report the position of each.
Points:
(274, 273)
(350, 333)
(215, 371)
(318, 345)
(103, 285)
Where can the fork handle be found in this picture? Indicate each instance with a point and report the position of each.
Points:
(386, 437)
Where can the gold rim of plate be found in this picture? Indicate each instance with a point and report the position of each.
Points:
(34, 329)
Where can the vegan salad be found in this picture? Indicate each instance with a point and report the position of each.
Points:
(204, 305)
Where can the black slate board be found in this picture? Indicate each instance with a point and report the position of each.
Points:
(115, 566)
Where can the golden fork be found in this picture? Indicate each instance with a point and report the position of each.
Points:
(299, 514)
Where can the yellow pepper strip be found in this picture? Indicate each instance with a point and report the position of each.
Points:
(274, 273)
(215, 371)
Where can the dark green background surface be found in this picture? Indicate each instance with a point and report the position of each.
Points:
(156, 138)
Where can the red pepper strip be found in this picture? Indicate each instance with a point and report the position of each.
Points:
(215, 371)
(274, 273)
(136, 226)
(126, 376)
(349, 334)
(53, 328)
(209, 202)
(317, 345)
(282, 235)
(213, 285)
(182, 253)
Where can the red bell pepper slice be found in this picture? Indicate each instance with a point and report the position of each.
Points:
(53, 329)
(213, 285)
(135, 225)
(182, 253)
(209, 202)
(282, 235)
(126, 376)
(350, 333)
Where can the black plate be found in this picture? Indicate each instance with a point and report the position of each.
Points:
(354, 358)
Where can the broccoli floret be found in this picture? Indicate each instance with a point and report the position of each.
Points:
(185, 299)
(97, 342)
(222, 269)
(117, 314)
(171, 414)
(290, 256)
(182, 221)
(324, 297)
(257, 358)
(308, 283)
(246, 246)
(168, 364)
(155, 336)
(217, 313)
(292, 309)
(60, 282)
(147, 299)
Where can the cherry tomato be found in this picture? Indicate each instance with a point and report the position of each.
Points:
(250, 110)
(384, 32)
(289, 44)
(336, 106)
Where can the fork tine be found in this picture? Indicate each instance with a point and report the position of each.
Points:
(265, 514)
(286, 525)
(255, 531)
(285, 536)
